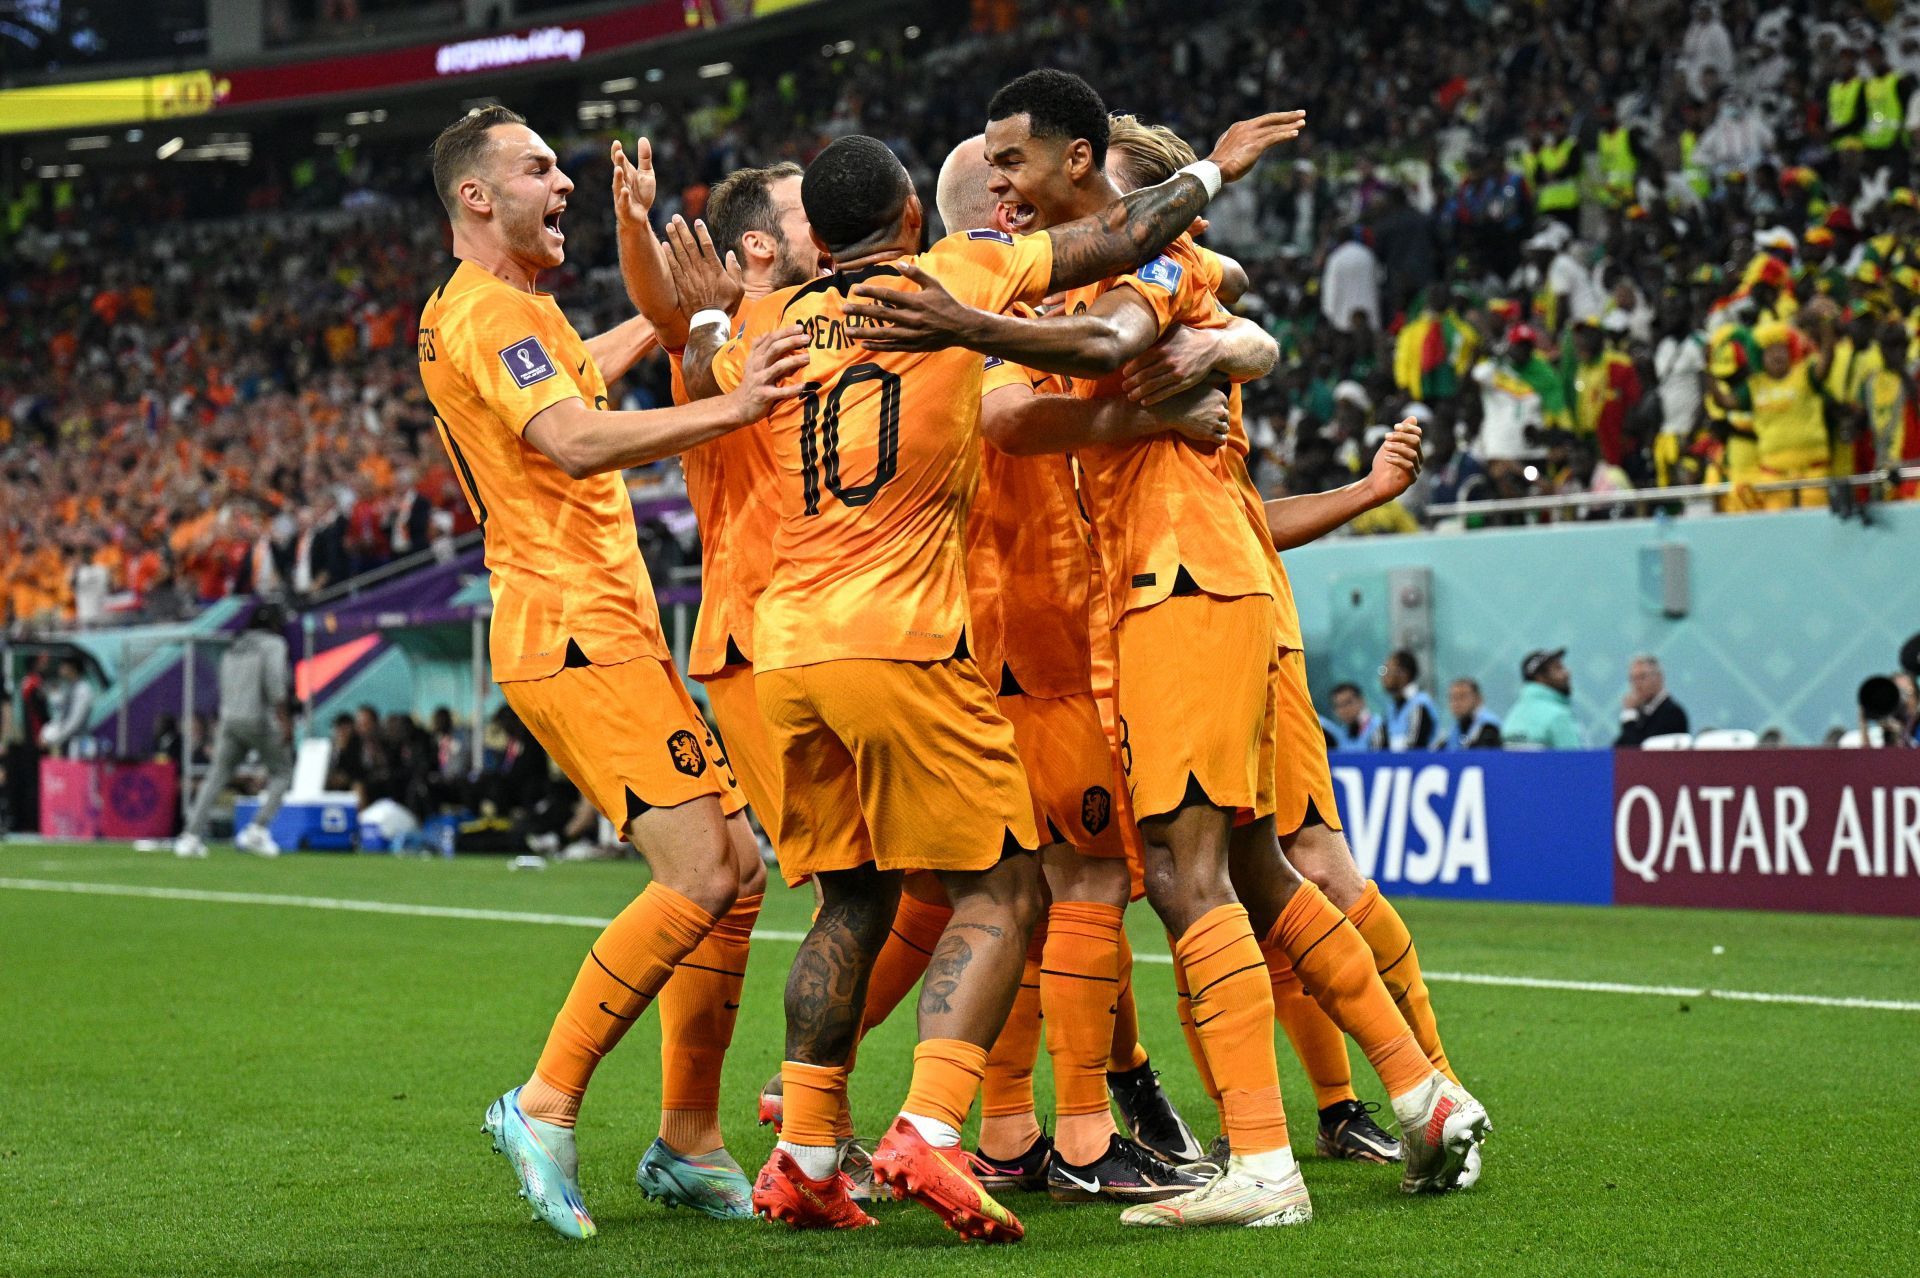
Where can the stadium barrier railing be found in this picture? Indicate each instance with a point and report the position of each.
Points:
(1645, 503)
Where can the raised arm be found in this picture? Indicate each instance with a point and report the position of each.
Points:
(643, 263)
(1021, 422)
(583, 442)
(1295, 521)
(1141, 223)
(703, 283)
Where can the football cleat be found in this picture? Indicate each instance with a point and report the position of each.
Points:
(785, 1193)
(1347, 1130)
(543, 1158)
(190, 845)
(1149, 1117)
(938, 1180)
(1441, 1125)
(856, 1163)
(1229, 1198)
(710, 1183)
(1128, 1172)
(1026, 1172)
(258, 840)
(772, 1104)
(1470, 1171)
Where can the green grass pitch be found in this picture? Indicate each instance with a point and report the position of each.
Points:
(206, 1087)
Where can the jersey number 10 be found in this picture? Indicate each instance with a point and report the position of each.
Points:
(820, 438)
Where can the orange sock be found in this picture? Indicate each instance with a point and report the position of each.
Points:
(1337, 968)
(1008, 1126)
(946, 1075)
(1078, 980)
(1399, 966)
(697, 1011)
(1184, 1008)
(1316, 1040)
(1231, 1003)
(1127, 1053)
(624, 971)
(903, 960)
(814, 1098)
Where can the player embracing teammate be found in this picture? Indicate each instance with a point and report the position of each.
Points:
(893, 724)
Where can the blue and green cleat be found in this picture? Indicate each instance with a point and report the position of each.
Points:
(710, 1183)
(543, 1158)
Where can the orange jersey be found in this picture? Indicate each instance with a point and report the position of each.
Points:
(877, 464)
(1160, 506)
(731, 485)
(1286, 616)
(563, 552)
(1029, 565)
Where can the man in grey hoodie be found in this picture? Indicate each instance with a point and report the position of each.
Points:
(255, 693)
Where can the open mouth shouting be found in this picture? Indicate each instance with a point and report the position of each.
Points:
(1014, 216)
(552, 222)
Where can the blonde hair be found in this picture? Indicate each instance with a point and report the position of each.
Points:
(1144, 154)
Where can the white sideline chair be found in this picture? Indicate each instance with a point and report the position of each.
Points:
(1669, 741)
(1726, 739)
(310, 766)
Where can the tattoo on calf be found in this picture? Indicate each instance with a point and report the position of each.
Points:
(827, 987)
(950, 959)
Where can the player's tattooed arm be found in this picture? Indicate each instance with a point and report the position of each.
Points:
(1019, 422)
(1295, 521)
(1141, 223)
(696, 364)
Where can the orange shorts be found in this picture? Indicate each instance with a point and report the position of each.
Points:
(736, 712)
(628, 735)
(1196, 684)
(907, 765)
(1069, 769)
(1301, 772)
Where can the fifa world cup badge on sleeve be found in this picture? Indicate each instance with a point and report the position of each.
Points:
(527, 360)
(1163, 271)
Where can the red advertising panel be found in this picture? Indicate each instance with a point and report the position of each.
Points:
(1830, 831)
(417, 65)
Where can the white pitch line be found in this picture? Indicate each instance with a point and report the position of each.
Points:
(581, 920)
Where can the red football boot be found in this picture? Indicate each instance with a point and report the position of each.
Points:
(938, 1180)
(784, 1192)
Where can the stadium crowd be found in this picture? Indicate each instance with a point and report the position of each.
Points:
(1586, 258)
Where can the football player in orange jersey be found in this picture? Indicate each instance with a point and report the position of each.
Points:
(1187, 554)
(520, 401)
(1306, 816)
(730, 484)
(894, 755)
(1029, 574)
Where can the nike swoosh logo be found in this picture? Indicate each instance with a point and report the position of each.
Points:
(583, 367)
(1092, 1187)
(731, 1007)
(615, 1015)
(1210, 1020)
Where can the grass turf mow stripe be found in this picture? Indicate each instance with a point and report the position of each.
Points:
(585, 921)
